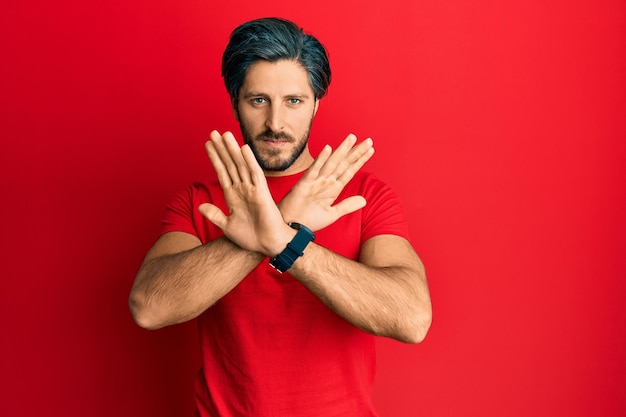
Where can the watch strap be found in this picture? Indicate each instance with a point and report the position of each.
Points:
(284, 260)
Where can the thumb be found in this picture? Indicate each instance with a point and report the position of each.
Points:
(349, 205)
(213, 214)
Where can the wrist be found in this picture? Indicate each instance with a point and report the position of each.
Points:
(294, 248)
(281, 239)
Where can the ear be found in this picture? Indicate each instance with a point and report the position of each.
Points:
(234, 104)
(317, 105)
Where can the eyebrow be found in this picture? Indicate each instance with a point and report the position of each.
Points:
(295, 95)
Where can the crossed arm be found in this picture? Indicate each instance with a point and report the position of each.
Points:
(385, 292)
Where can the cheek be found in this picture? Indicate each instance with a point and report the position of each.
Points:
(302, 120)
(252, 120)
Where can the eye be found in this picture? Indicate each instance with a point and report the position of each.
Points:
(294, 101)
(258, 100)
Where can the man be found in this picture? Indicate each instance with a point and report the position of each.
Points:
(291, 264)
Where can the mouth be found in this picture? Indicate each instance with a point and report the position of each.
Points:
(269, 136)
(266, 139)
(274, 142)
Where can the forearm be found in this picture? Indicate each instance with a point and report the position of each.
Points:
(385, 293)
(175, 288)
(386, 301)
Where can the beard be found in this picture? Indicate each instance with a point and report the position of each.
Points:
(270, 159)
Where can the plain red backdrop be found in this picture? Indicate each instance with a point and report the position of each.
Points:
(500, 124)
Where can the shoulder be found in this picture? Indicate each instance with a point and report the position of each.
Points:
(370, 186)
(199, 192)
(366, 181)
(384, 212)
(365, 177)
(182, 214)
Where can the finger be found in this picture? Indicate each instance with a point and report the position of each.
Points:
(338, 156)
(357, 151)
(349, 205)
(235, 153)
(213, 214)
(225, 156)
(357, 160)
(319, 162)
(220, 169)
(256, 174)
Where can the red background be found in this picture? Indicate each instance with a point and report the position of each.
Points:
(500, 124)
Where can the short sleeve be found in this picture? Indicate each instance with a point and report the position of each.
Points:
(383, 213)
(179, 213)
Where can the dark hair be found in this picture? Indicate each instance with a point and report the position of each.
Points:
(274, 39)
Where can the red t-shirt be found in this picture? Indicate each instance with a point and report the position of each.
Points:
(269, 346)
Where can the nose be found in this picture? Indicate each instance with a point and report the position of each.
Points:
(274, 120)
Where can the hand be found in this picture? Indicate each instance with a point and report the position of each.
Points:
(311, 201)
(255, 222)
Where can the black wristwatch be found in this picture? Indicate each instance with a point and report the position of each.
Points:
(284, 260)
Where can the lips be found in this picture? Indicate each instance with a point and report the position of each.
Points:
(274, 142)
(275, 137)
(267, 140)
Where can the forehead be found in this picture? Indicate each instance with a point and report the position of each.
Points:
(282, 77)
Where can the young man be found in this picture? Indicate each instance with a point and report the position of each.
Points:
(291, 264)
